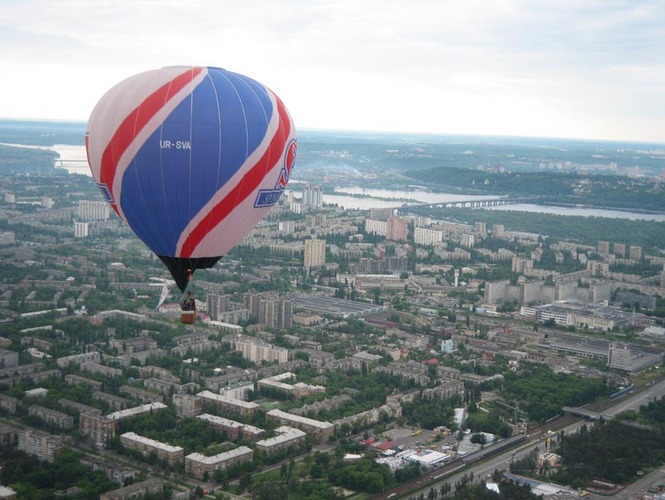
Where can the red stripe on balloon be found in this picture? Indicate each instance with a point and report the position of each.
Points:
(134, 123)
(246, 186)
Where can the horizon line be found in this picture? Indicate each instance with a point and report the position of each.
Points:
(395, 132)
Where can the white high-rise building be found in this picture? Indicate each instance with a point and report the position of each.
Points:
(312, 196)
(378, 227)
(287, 227)
(447, 346)
(81, 230)
(276, 312)
(260, 351)
(216, 304)
(93, 210)
(424, 236)
(467, 240)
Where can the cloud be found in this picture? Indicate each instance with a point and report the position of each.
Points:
(505, 67)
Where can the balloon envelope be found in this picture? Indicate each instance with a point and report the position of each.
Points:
(191, 158)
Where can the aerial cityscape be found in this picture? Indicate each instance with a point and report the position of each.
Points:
(417, 317)
(332, 250)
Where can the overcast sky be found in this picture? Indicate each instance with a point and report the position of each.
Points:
(553, 68)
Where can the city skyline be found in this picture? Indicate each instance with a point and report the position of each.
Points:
(568, 69)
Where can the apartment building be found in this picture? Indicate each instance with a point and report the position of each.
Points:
(226, 405)
(198, 465)
(172, 455)
(98, 428)
(285, 437)
(41, 444)
(58, 418)
(234, 430)
(319, 430)
(187, 405)
(315, 253)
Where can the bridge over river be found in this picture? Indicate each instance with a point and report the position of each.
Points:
(475, 202)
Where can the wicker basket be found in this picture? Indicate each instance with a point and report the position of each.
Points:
(188, 317)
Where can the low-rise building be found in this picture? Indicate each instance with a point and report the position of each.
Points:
(141, 394)
(445, 389)
(165, 387)
(137, 410)
(8, 403)
(68, 404)
(115, 402)
(112, 471)
(137, 490)
(77, 359)
(198, 465)
(106, 371)
(8, 359)
(297, 390)
(228, 405)
(60, 419)
(172, 455)
(78, 380)
(9, 434)
(238, 390)
(319, 430)
(234, 430)
(146, 372)
(135, 344)
(285, 437)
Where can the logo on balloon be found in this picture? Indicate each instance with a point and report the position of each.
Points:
(268, 197)
(106, 192)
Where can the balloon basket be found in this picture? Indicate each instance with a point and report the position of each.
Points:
(188, 317)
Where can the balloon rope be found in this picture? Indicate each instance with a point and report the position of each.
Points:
(189, 281)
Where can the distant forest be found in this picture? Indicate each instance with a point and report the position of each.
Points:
(585, 230)
(409, 152)
(609, 191)
(16, 160)
(32, 157)
(618, 451)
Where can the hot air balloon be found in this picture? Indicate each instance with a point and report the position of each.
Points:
(191, 158)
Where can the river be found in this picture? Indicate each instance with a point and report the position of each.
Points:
(367, 198)
(358, 198)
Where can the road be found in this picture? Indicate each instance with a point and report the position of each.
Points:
(634, 401)
(502, 461)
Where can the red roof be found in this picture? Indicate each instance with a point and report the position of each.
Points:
(386, 445)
